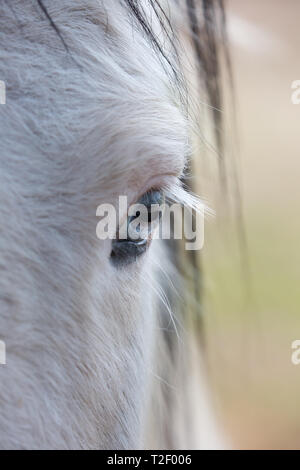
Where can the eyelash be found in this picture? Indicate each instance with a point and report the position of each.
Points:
(126, 251)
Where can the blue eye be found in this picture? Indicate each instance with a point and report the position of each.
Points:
(126, 251)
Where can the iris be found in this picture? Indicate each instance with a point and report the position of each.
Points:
(140, 225)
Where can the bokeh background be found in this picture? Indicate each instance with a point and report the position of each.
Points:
(252, 294)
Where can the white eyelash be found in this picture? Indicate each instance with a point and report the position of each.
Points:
(176, 193)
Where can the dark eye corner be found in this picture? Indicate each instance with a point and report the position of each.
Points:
(128, 250)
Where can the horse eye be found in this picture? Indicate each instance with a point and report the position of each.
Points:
(140, 225)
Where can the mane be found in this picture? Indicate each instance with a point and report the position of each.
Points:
(207, 27)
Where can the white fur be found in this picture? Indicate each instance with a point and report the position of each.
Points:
(77, 130)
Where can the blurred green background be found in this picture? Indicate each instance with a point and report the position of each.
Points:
(252, 307)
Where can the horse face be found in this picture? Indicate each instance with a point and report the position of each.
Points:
(90, 114)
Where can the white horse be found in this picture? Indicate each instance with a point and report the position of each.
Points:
(96, 107)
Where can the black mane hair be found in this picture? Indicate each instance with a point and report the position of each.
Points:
(206, 20)
(207, 26)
